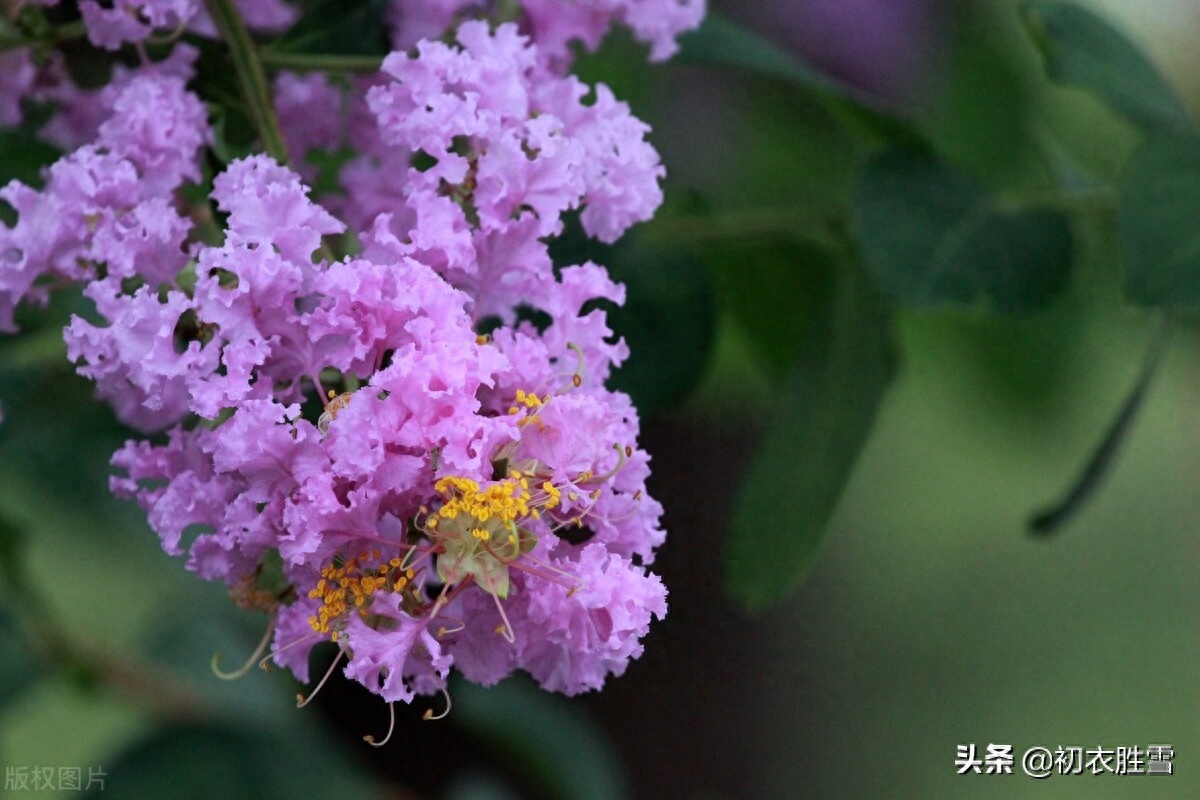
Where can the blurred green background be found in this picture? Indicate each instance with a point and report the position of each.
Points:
(930, 617)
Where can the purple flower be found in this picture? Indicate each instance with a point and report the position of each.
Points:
(512, 147)
(17, 74)
(134, 360)
(132, 20)
(395, 648)
(556, 25)
(110, 202)
(260, 16)
(160, 127)
(310, 111)
(342, 423)
(410, 21)
(570, 641)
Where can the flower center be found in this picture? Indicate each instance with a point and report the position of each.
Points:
(347, 586)
(478, 529)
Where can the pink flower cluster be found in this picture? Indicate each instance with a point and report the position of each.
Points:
(556, 25)
(374, 448)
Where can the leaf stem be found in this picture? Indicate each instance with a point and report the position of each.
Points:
(252, 78)
(1104, 456)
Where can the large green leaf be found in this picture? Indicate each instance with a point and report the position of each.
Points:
(12, 568)
(818, 429)
(669, 322)
(773, 289)
(1083, 50)
(1158, 222)
(722, 42)
(931, 237)
(558, 747)
(203, 762)
(19, 668)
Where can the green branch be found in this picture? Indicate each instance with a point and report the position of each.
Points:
(149, 685)
(251, 77)
(758, 223)
(63, 33)
(318, 62)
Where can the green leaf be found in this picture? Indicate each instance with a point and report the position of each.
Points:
(669, 322)
(1157, 222)
(1081, 49)
(22, 156)
(819, 428)
(931, 237)
(556, 745)
(983, 120)
(350, 27)
(12, 568)
(209, 762)
(722, 42)
(782, 297)
(19, 669)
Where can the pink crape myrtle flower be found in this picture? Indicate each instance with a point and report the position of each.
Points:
(345, 415)
(114, 23)
(505, 149)
(415, 516)
(556, 25)
(109, 202)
